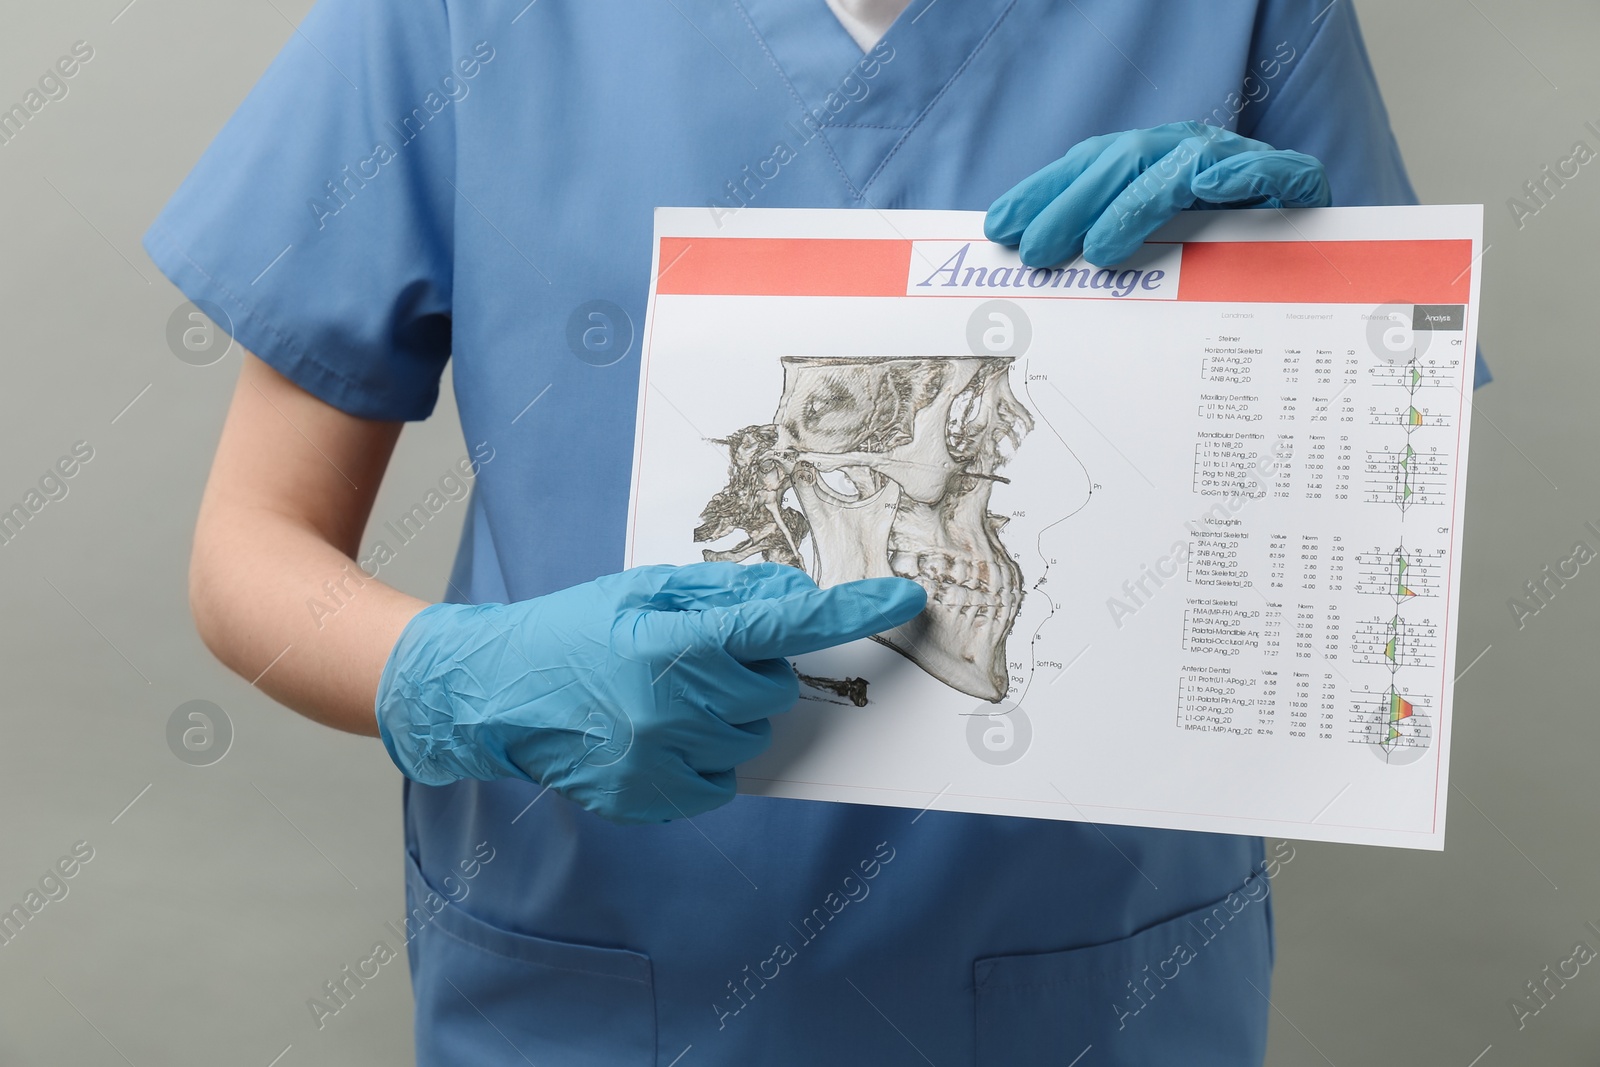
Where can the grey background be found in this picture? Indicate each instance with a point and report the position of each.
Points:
(226, 895)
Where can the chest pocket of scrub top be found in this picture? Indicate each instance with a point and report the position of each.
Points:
(488, 997)
(1190, 1002)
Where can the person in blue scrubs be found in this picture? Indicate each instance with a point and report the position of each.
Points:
(411, 184)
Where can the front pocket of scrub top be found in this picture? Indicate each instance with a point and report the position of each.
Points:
(487, 996)
(1194, 1006)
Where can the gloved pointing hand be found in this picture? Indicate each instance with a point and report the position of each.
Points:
(1108, 193)
(634, 695)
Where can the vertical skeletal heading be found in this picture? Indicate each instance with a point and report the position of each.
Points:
(891, 461)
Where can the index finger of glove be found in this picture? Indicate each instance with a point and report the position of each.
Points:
(1294, 179)
(792, 625)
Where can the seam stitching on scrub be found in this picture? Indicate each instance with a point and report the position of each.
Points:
(939, 95)
(172, 244)
(247, 311)
(1088, 978)
(795, 93)
(647, 983)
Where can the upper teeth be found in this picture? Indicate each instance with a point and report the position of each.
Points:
(936, 569)
(956, 585)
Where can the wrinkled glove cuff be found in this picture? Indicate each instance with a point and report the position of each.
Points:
(430, 724)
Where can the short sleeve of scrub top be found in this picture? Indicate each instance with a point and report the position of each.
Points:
(320, 219)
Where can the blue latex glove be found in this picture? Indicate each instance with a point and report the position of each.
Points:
(1108, 193)
(634, 695)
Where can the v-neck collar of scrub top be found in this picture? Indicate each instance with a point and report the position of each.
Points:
(867, 20)
(932, 44)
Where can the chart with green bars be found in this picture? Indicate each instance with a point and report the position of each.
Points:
(1408, 416)
(1418, 373)
(1394, 642)
(1407, 478)
(1402, 573)
(1410, 470)
(1396, 725)
(1403, 642)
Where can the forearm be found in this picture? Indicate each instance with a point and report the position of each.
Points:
(289, 612)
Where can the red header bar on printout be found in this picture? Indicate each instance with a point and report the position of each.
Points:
(782, 266)
(1323, 272)
(1327, 272)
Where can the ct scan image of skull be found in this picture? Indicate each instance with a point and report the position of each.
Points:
(883, 465)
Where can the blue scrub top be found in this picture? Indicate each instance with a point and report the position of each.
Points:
(412, 181)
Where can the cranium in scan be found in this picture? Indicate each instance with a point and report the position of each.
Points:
(891, 460)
